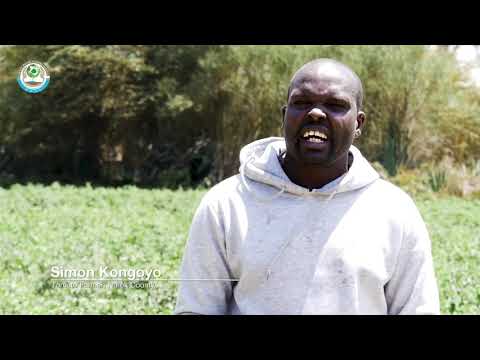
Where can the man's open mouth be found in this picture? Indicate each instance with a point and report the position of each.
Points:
(315, 136)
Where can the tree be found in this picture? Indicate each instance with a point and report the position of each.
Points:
(176, 114)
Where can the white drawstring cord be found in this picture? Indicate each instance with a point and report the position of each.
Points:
(264, 200)
(290, 238)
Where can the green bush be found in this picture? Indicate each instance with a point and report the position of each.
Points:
(449, 178)
(437, 179)
(413, 181)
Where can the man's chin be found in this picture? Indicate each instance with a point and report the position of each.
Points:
(316, 160)
(309, 157)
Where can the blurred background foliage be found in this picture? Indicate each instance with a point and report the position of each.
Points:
(165, 115)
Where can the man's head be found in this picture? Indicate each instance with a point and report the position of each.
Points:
(323, 112)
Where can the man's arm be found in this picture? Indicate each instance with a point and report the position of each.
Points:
(413, 290)
(204, 288)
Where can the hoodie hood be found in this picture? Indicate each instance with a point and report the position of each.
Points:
(259, 162)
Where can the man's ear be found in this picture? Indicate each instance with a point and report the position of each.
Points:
(361, 118)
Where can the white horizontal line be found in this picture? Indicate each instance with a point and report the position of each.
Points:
(145, 280)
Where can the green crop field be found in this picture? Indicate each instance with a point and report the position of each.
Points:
(454, 226)
(124, 228)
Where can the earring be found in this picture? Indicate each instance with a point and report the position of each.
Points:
(357, 133)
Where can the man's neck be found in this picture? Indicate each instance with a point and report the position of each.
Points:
(312, 176)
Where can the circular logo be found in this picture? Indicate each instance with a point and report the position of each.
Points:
(33, 77)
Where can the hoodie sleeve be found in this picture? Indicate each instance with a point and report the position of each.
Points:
(205, 264)
(412, 289)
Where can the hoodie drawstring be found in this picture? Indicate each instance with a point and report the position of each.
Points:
(364, 175)
(290, 238)
(271, 198)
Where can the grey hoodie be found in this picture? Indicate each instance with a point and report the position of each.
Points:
(260, 244)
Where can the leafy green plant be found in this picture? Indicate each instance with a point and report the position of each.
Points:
(85, 227)
(437, 179)
(128, 227)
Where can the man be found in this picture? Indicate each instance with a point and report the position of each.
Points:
(308, 227)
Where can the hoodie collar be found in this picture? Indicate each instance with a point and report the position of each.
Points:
(259, 162)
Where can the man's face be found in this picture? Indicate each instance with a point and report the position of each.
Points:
(321, 115)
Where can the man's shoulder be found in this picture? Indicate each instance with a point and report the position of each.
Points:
(392, 195)
(391, 203)
(223, 190)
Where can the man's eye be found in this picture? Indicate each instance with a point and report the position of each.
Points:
(301, 103)
(337, 106)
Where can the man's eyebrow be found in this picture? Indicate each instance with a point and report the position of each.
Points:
(297, 93)
(301, 92)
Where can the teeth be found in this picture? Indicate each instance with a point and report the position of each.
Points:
(318, 134)
(315, 140)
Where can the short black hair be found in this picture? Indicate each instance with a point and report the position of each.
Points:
(359, 95)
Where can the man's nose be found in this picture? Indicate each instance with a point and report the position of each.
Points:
(317, 114)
